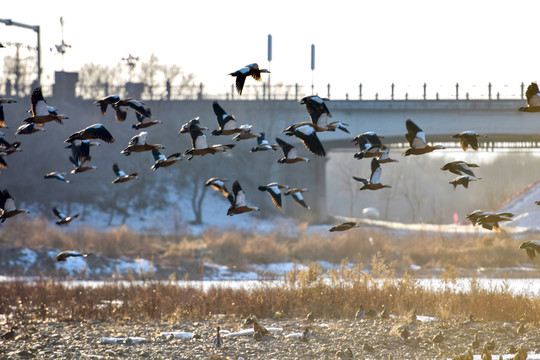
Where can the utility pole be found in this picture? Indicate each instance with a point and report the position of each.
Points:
(9, 22)
(269, 61)
(312, 69)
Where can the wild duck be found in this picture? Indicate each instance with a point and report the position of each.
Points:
(244, 134)
(370, 145)
(218, 340)
(80, 156)
(290, 153)
(467, 138)
(417, 141)
(195, 122)
(218, 184)
(459, 167)
(69, 253)
(162, 161)
(316, 108)
(121, 176)
(40, 110)
(4, 100)
(144, 122)
(248, 70)
(308, 136)
(463, 180)
(200, 146)
(360, 314)
(238, 203)
(7, 206)
(95, 131)
(296, 194)
(274, 189)
(332, 126)
(385, 156)
(9, 148)
(226, 122)
(57, 175)
(120, 108)
(344, 226)
(531, 248)
(374, 182)
(138, 144)
(27, 129)
(533, 98)
(263, 145)
(105, 101)
(489, 220)
(63, 219)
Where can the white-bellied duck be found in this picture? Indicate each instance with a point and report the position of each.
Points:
(40, 110)
(467, 138)
(27, 129)
(317, 109)
(95, 131)
(245, 133)
(57, 175)
(121, 176)
(533, 98)
(144, 121)
(162, 161)
(218, 184)
(374, 182)
(80, 156)
(248, 70)
(191, 124)
(138, 144)
(370, 145)
(489, 220)
(63, 219)
(105, 101)
(290, 153)
(263, 145)
(463, 180)
(308, 136)
(459, 167)
(238, 203)
(531, 247)
(296, 194)
(69, 253)
(344, 226)
(120, 108)
(200, 146)
(9, 148)
(7, 206)
(417, 141)
(226, 122)
(274, 189)
(385, 156)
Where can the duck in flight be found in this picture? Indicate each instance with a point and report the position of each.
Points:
(489, 220)
(344, 226)
(263, 145)
(199, 146)
(80, 156)
(226, 122)
(162, 161)
(308, 136)
(417, 140)
(532, 247)
(138, 144)
(218, 184)
(319, 114)
(533, 99)
(274, 190)
(68, 253)
(121, 176)
(238, 203)
(7, 206)
(57, 175)
(120, 108)
(144, 121)
(27, 129)
(296, 194)
(370, 145)
(290, 153)
(467, 138)
(248, 70)
(459, 167)
(374, 182)
(41, 113)
(9, 148)
(95, 131)
(105, 101)
(63, 219)
(463, 180)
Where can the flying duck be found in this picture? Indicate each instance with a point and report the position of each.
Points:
(290, 153)
(248, 70)
(533, 99)
(531, 247)
(138, 144)
(417, 141)
(218, 341)
(120, 108)
(344, 226)
(226, 122)
(68, 253)
(63, 219)
(40, 110)
(7, 206)
(274, 189)
(200, 146)
(385, 156)
(162, 161)
(463, 180)
(245, 133)
(95, 131)
(122, 176)
(27, 129)
(8, 148)
(144, 121)
(218, 184)
(370, 145)
(316, 108)
(107, 100)
(459, 167)
(467, 138)
(296, 194)
(308, 136)
(374, 182)
(263, 145)
(57, 175)
(238, 203)
(488, 220)
(80, 156)
(4, 100)
(191, 124)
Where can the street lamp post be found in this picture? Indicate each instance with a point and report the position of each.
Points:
(10, 22)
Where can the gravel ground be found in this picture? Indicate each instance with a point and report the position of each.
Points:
(329, 339)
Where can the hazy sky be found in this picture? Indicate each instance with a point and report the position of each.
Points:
(375, 43)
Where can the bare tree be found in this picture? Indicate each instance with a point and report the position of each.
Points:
(95, 79)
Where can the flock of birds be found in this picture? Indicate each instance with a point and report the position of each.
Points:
(370, 146)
